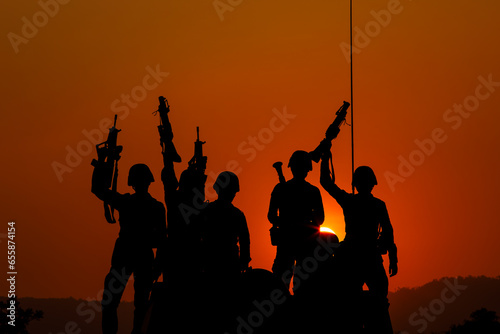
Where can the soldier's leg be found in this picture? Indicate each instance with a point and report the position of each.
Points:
(349, 283)
(114, 285)
(378, 285)
(143, 283)
(283, 264)
(306, 268)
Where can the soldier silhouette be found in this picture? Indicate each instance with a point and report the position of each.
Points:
(226, 253)
(369, 234)
(142, 228)
(296, 210)
(223, 228)
(184, 199)
(180, 259)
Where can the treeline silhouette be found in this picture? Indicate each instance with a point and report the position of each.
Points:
(481, 292)
(480, 321)
(473, 293)
(22, 317)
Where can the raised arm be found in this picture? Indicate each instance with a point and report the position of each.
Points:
(169, 152)
(327, 179)
(169, 179)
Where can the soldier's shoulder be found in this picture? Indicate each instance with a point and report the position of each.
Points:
(238, 211)
(154, 203)
(311, 187)
(378, 201)
(280, 185)
(238, 215)
(158, 204)
(209, 208)
(278, 188)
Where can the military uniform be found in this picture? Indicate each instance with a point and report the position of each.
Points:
(369, 233)
(142, 228)
(225, 253)
(223, 228)
(301, 213)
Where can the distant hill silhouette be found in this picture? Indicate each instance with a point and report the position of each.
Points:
(437, 297)
(409, 307)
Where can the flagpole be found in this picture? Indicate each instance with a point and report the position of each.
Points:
(352, 100)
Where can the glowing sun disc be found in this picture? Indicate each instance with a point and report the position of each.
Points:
(326, 229)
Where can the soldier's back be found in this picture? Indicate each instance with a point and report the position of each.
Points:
(296, 201)
(363, 215)
(142, 218)
(220, 227)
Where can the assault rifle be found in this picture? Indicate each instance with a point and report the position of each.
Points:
(166, 133)
(198, 162)
(108, 154)
(331, 133)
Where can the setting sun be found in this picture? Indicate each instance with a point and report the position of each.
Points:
(326, 229)
(260, 80)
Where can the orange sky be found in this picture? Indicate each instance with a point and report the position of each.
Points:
(230, 74)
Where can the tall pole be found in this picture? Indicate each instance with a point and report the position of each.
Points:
(352, 100)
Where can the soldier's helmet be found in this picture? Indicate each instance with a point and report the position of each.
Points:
(227, 182)
(139, 174)
(300, 159)
(364, 176)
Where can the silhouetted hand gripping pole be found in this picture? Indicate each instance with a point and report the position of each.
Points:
(106, 175)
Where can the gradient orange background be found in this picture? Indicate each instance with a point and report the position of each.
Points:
(227, 76)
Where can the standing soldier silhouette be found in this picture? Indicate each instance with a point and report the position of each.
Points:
(296, 210)
(223, 229)
(226, 252)
(142, 228)
(369, 234)
(185, 198)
